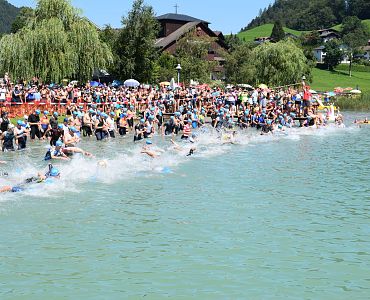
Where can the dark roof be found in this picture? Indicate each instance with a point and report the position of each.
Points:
(174, 36)
(179, 17)
(325, 34)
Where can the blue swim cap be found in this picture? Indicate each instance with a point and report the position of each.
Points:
(17, 189)
(142, 121)
(55, 114)
(19, 122)
(59, 144)
(112, 113)
(269, 122)
(46, 112)
(66, 120)
(172, 118)
(54, 172)
(280, 126)
(37, 112)
(149, 142)
(91, 111)
(60, 126)
(75, 113)
(73, 129)
(151, 118)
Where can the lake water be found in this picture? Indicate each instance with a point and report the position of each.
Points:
(271, 218)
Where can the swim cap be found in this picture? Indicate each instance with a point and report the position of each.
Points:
(149, 142)
(59, 144)
(73, 129)
(60, 126)
(19, 123)
(91, 111)
(46, 112)
(55, 114)
(151, 118)
(37, 112)
(66, 120)
(75, 113)
(142, 121)
(172, 118)
(269, 122)
(280, 126)
(54, 172)
(112, 113)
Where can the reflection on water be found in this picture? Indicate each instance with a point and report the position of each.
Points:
(269, 218)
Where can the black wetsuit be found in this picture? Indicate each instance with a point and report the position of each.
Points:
(138, 136)
(8, 142)
(33, 118)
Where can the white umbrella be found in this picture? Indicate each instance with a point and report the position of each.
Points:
(313, 92)
(131, 83)
(246, 86)
(355, 92)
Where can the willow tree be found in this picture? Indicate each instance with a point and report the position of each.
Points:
(56, 43)
(281, 63)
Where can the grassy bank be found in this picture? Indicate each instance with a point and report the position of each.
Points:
(360, 103)
(324, 80)
(263, 31)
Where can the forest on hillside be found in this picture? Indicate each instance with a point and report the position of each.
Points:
(8, 13)
(311, 14)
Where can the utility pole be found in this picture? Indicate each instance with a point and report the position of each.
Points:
(176, 7)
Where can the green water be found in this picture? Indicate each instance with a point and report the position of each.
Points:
(271, 218)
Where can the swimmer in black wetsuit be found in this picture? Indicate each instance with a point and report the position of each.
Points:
(52, 173)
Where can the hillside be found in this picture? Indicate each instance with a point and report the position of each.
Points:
(324, 80)
(312, 14)
(8, 13)
(263, 31)
(366, 22)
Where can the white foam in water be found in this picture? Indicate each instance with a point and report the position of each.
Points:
(129, 163)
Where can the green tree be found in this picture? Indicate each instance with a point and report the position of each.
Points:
(239, 67)
(278, 33)
(192, 52)
(355, 35)
(334, 54)
(55, 44)
(135, 47)
(232, 41)
(23, 18)
(166, 64)
(281, 63)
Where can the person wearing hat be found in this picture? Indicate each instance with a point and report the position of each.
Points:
(87, 122)
(34, 121)
(147, 149)
(70, 137)
(139, 130)
(51, 174)
(20, 132)
(8, 138)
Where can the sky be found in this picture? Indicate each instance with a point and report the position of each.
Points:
(226, 16)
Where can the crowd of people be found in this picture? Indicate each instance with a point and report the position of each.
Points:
(65, 115)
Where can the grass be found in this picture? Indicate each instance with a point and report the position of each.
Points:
(366, 22)
(361, 103)
(324, 80)
(263, 31)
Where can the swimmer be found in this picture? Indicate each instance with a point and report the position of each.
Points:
(52, 173)
(60, 152)
(102, 164)
(177, 147)
(2, 162)
(146, 150)
(229, 138)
